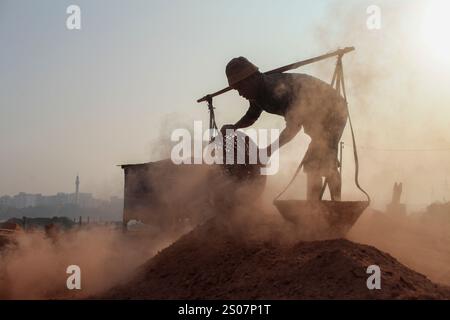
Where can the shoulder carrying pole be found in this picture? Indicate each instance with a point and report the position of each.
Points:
(209, 97)
(292, 66)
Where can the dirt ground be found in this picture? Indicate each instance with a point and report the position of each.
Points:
(251, 254)
(260, 259)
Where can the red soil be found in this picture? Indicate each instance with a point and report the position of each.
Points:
(217, 261)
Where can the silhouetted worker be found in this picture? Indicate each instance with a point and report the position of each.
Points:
(304, 101)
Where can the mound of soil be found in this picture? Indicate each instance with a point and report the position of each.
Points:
(216, 261)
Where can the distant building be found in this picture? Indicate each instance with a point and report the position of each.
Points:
(86, 200)
(24, 200)
(5, 201)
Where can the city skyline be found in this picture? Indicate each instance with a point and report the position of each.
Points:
(83, 199)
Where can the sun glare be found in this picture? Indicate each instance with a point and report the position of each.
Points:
(436, 30)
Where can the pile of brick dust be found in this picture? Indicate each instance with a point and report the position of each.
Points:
(258, 261)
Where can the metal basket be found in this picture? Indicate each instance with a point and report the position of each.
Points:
(326, 218)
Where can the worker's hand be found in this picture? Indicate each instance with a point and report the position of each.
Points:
(226, 127)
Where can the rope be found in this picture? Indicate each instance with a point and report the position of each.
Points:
(292, 180)
(355, 151)
(212, 120)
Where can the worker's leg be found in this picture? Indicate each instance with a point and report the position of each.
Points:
(335, 185)
(313, 185)
(333, 135)
(311, 167)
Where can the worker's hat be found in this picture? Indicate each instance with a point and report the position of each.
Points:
(239, 69)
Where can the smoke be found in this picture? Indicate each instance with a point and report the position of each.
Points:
(393, 89)
(35, 266)
(177, 198)
(419, 241)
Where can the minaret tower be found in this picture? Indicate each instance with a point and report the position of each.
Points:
(77, 188)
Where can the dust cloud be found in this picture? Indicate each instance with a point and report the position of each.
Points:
(34, 267)
(396, 119)
(392, 87)
(420, 241)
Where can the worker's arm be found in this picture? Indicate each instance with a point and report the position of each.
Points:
(288, 133)
(249, 118)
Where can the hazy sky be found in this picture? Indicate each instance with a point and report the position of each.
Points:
(84, 101)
